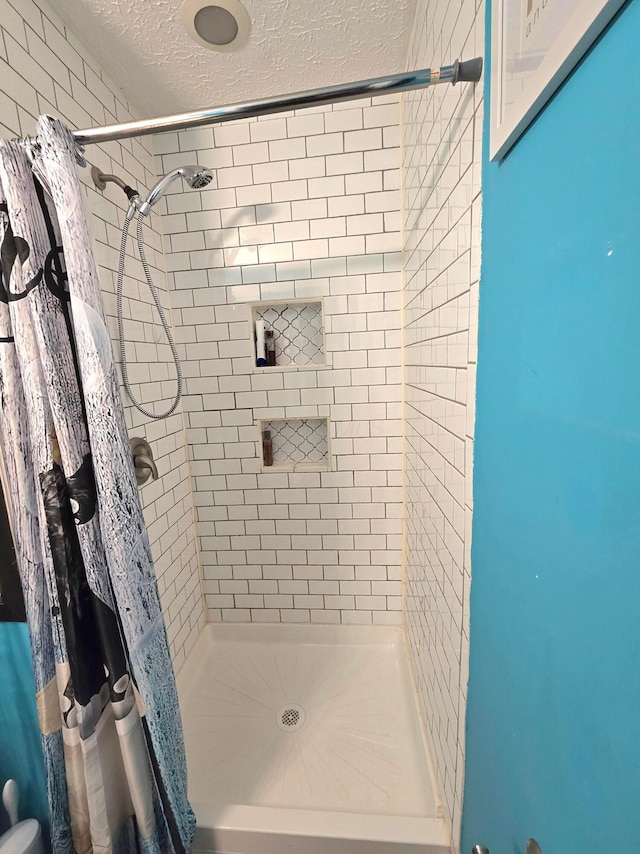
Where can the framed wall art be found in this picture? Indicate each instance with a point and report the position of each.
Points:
(534, 46)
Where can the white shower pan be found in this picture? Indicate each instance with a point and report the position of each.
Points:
(306, 740)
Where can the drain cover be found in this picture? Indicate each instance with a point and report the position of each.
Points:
(290, 717)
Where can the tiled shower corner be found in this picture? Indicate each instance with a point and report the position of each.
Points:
(442, 132)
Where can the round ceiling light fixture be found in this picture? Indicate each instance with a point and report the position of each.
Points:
(222, 25)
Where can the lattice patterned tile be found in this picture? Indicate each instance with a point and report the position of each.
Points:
(299, 441)
(298, 332)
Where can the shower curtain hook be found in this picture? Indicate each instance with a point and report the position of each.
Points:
(31, 147)
(80, 158)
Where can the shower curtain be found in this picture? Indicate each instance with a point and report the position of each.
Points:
(106, 696)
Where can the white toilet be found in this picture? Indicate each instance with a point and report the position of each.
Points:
(24, 837)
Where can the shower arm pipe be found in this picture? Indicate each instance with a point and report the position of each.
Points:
(468, 71)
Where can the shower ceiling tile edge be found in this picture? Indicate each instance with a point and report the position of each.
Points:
(294, 44)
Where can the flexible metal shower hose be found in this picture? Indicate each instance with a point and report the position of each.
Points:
(167, 331)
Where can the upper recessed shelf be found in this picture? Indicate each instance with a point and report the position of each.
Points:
(298, 333)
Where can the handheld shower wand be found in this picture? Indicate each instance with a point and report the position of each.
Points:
(196, 177)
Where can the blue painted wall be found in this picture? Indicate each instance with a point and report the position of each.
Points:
(553, 720)
(20, 752)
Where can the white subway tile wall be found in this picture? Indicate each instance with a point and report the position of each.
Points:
(303, 206)
(44, 69)
(442, 134)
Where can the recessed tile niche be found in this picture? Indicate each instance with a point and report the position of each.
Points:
(298, 329)
(299, 444)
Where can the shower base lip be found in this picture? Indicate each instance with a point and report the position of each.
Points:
(307, 740)
(271, 830)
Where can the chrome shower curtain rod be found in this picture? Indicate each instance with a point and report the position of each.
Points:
(469, 71)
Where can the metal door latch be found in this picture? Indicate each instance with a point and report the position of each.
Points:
(532, 848)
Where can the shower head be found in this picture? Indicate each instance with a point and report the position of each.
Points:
(199, 179)
(196, 177)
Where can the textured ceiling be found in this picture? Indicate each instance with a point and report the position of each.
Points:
(294, 45)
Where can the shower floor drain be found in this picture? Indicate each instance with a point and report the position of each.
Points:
(290, 717)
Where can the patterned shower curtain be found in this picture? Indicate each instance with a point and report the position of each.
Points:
(106, 696)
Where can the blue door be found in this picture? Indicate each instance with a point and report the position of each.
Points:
(553, 719)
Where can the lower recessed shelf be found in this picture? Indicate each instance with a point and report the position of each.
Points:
(287, 465)
(298, 444)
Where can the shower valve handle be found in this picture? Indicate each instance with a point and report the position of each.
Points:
(143, 462)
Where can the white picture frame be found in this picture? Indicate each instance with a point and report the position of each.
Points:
(534, 46)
